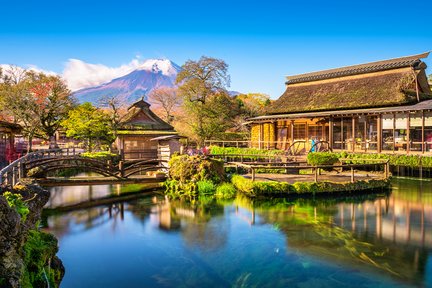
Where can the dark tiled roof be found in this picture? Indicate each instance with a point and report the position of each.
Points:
(408, 61)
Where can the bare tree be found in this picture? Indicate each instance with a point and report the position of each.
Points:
(168, 99)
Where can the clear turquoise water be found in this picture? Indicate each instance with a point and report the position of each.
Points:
(373, 241)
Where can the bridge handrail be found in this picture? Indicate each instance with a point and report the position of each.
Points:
(15, 164)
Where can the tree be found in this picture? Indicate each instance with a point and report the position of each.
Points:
(115, 110)
(36, 101)
(167, 99)
(207, 104)
(199, 79)
(88, 123)
(53, 102)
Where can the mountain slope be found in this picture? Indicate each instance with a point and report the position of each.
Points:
(153, 73)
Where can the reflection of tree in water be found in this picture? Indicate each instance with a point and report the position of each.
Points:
(83, 220)
(311, 227)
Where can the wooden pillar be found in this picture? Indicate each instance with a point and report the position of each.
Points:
(275, 133)
(353, 132)
(394, 132)
(342, 135)
(408, 134)
(331, 132)
(366, 122)
(292, 131)
(379, 133)
(261, 136)
(423, 133)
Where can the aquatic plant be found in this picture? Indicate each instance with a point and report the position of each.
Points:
(206, 187)
(225, 191)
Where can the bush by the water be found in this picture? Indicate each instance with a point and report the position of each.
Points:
(193, 176)
(186, 168)
(258, 188)
(225, 191)
(322, 158)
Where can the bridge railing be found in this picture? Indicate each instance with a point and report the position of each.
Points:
(10, 174)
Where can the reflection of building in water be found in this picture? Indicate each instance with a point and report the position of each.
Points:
(386, 234)
(197, 224)
(394, 219)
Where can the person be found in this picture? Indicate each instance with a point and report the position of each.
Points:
(313, 144)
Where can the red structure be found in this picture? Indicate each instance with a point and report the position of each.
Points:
(8, 150)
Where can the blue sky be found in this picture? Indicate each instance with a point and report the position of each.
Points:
(262, 42)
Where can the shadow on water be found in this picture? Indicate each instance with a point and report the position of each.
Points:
(374, 240)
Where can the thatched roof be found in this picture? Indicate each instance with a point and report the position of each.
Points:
(140, 117)
(392, 82)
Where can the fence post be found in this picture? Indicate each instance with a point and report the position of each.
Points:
(253, 174)
(352, 174)
(387, 169)
(316, 174)
(121, 168)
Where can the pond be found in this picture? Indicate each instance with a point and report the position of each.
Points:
(382, 240)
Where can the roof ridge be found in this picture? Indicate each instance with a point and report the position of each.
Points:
(393, 63)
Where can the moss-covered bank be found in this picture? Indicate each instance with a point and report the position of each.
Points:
(283, 189)
(27, 255)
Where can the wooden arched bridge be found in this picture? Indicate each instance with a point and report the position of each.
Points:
(37, 164)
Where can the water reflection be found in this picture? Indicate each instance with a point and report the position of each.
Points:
(375, 240)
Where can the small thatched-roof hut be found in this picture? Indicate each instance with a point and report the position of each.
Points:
(137, 128)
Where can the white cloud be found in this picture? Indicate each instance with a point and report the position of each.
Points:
(9, 69)
(79, 74)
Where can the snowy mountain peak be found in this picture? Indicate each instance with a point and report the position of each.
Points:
(164, 66)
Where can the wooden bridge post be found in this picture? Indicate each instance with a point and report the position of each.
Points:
(253, 174)
(14, 176)
(352, 174)
(121, 168)
(9, 177)
(21, 173)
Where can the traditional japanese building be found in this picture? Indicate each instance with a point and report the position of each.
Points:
(138, 127)
(383, 106)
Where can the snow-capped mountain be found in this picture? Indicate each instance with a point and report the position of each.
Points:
(151, 74)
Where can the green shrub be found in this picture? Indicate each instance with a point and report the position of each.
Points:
(243, 185)
(186, 168)
(206, 187)
(252, 189)
(15, 201)
(243, 151)
(322, 158)
(225, 191)
(102, 155)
